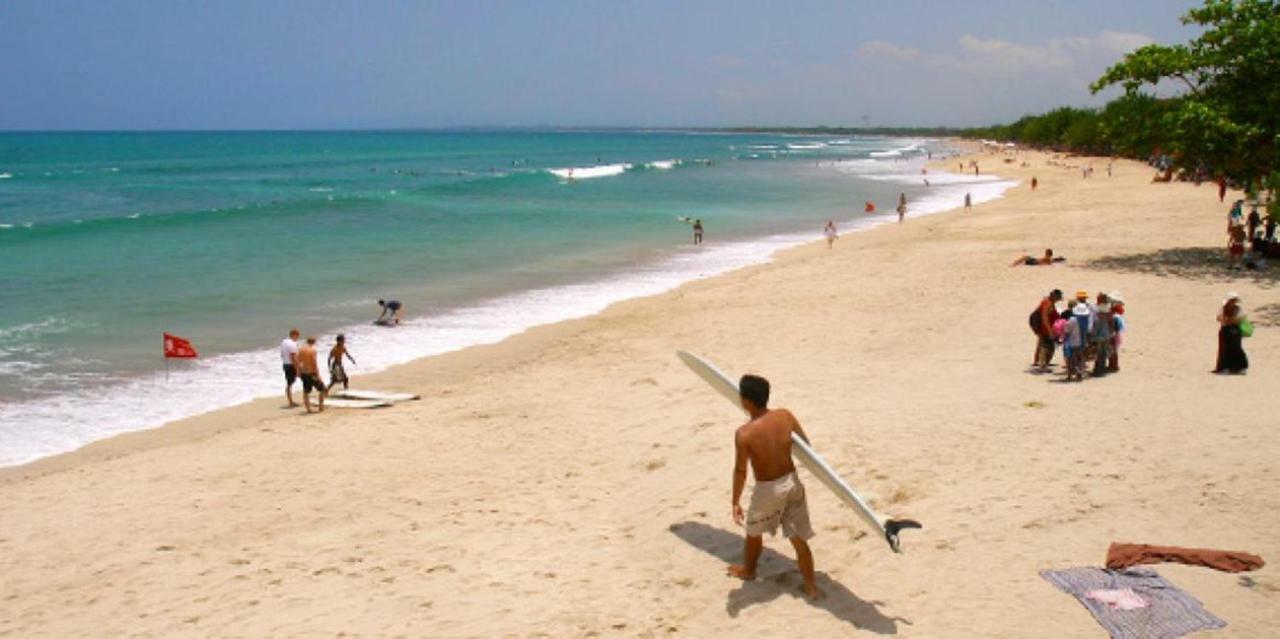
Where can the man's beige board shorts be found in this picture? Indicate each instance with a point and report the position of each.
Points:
(780, 501)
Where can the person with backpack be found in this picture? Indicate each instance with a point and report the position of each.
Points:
(1041, 322)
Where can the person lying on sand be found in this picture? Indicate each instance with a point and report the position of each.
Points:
(778, 497)
(1043, 260)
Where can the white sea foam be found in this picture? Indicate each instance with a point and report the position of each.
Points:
(663, 164)
(5, 176)
(806, 146)
(588, 172)
(885, 154)
(762, 147)
(41, 427)
(6, 226)
(320, 189)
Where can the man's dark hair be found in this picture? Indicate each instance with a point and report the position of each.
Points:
(756, 389)
(381, 303)
(1055, 294)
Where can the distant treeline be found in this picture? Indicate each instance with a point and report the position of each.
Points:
(1129, 126)
(935, 131)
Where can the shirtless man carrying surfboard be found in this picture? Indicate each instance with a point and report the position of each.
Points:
(779, 497)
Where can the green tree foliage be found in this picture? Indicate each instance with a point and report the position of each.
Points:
(1228, 117)
(1225, 118)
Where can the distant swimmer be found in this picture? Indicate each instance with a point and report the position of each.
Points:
(390, 313)
(697, 232)
(968, 201)
(337, 373)
(868, 207)
(309, 372)
(830, 233)
(778, 498)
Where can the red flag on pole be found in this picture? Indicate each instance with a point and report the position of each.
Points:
(175, 346)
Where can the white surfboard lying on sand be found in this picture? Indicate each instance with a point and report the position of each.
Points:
(342, 402)
(373, 395)
(889, 528)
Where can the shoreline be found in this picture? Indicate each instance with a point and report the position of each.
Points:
(721, 259)
(573, 480)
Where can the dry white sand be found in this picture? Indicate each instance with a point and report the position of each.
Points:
(574, 480)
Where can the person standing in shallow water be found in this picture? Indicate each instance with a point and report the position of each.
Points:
(778, 497)
(697, 232)
(830, 233)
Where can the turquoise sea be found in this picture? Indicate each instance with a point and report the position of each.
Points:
(231, 238)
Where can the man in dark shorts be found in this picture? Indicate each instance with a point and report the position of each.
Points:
(289, 360)
(697, 231)
(778, 497)
(309, 372)
(390, 312)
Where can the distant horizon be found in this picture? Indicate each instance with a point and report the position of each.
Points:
(743, 128)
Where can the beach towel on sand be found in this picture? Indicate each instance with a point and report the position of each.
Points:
(1169, 613)
(1125, 555)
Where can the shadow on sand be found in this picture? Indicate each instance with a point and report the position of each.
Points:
(777, 576)
(1207, 264)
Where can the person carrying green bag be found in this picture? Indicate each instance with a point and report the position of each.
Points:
(1231, 327)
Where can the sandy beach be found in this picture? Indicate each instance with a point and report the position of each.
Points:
(575, 480)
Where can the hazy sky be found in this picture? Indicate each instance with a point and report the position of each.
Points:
(185, 64)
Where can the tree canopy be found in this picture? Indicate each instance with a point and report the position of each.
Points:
(1228, 114)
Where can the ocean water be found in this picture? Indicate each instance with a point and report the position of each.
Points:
(230, 239)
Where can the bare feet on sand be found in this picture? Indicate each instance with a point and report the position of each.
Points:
(813, 592)
(741, 572)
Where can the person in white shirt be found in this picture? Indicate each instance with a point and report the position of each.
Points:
(830, 233)
(289, 359)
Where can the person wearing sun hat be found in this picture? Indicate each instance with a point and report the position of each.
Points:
(1076, 339)
(1231, 355)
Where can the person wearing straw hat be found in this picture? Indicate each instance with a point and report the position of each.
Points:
(1231, 355)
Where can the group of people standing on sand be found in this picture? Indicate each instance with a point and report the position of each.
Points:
(1089, 331)
(299, 362)
(1257, 233)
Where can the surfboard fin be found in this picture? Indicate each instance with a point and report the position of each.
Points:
(893, 526)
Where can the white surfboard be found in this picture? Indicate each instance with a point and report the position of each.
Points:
(380, 396)
(723, 384)
(339, 402)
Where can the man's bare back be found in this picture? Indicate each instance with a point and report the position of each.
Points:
(307, 360)
(767, 442)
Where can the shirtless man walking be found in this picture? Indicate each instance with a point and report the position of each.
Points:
(779, 497)
(310, 374)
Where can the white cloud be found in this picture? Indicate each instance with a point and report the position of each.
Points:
(995, 56)
(882, 49)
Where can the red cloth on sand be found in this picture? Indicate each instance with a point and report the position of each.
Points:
(1121, 556)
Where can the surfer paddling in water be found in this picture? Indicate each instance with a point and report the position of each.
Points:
(778, 497)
